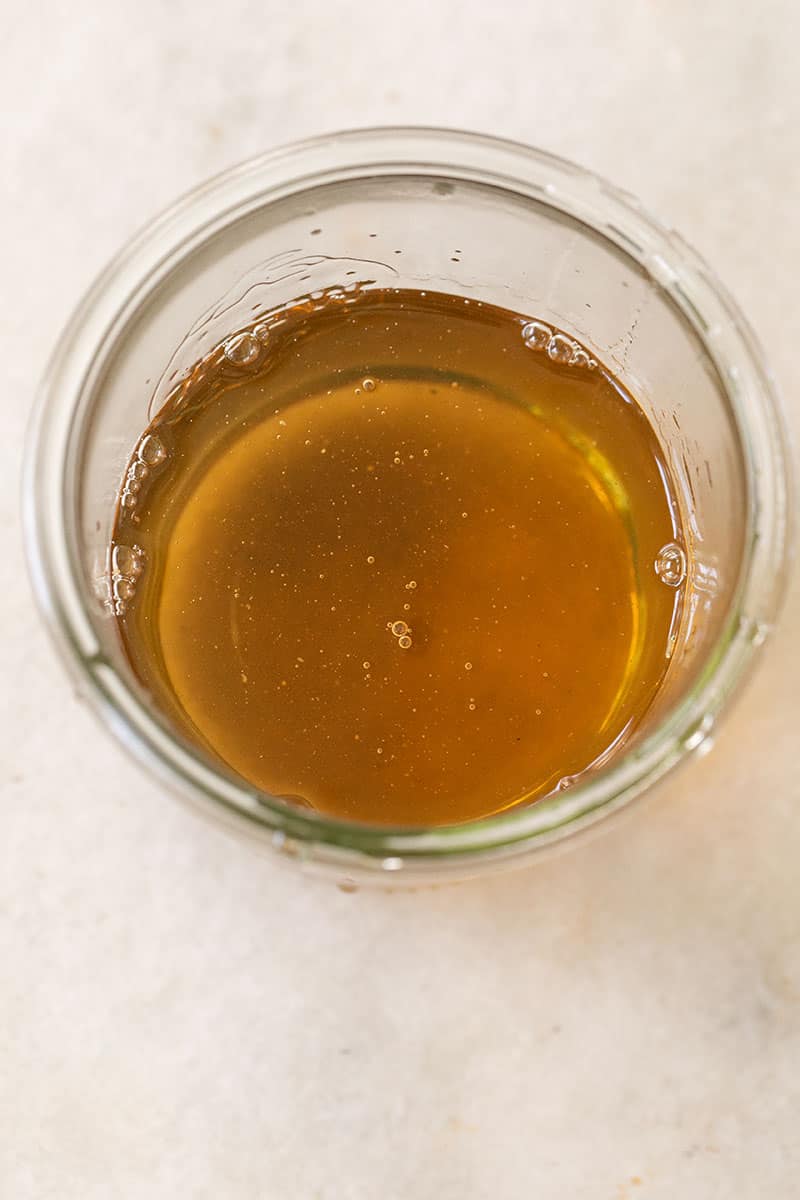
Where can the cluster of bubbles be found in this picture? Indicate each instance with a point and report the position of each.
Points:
(127, 564)
(245, 349)
(402, 631)
(556, 345)
(150, 453)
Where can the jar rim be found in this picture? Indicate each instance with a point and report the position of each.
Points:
(351, 848)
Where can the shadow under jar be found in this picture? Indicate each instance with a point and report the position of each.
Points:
(430, 212)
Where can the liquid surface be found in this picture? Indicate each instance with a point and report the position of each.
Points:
(395, 562)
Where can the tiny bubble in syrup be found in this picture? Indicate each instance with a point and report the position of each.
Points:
(467, 666)
(404, 642)
(151, 450)
(127, 560)
(536, 335)
(370, 558)
(123, 589)
(399, 628)
(560, 348)
(670, 564)
(242, 350)
(368, 385)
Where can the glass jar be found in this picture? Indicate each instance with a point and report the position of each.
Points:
(533, 233)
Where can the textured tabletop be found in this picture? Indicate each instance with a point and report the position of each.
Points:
(178, 1016)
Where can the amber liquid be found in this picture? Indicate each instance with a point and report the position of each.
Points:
(397, 564)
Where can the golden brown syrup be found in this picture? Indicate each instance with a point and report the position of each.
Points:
(396, 562)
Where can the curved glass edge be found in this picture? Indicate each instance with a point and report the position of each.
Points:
(566, 187)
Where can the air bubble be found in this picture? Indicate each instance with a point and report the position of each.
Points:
(365, 665)
(370, 558)
(127, 560)
(412, 583)
(123, 588)
(151, 450)
(467, 666)
(399, 628)
(262, 332)
(243, 349)
(404, 642)
(561, 349)
(670, 564)
(536, 335)
(567, 781)
(138, 471)
(368, 385)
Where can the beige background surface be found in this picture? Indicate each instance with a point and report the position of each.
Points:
(178, 1018)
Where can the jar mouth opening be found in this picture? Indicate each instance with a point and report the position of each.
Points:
(565, 188)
